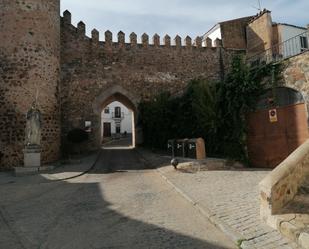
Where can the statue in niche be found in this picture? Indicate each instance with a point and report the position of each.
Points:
(33, 126)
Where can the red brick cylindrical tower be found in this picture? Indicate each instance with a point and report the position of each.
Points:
(29, 67)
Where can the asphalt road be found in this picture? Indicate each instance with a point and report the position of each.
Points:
(120, 204)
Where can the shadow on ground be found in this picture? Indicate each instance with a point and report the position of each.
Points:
(300, 203)
(38, 213)
(115, 159)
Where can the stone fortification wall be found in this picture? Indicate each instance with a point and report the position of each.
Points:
(29, 64)
(90, 67)
(296, 74)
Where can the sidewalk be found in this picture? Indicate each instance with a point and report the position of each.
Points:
(73, 169)
(68, 170)
(229, 198)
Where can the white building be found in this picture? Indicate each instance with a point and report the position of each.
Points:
(232, 33)
(116, 120)
(291, 39)
(260, 36)
(213, 34)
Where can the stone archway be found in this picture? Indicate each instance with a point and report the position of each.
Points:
(118, 93)
(302, 91)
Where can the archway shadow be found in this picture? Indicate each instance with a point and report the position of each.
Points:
(120, 159)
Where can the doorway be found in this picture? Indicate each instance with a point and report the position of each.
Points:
(107, 129)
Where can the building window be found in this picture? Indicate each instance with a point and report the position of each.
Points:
(106, 110)
(303, 43)
(117, 112)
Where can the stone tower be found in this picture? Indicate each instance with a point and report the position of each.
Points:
(29, 68)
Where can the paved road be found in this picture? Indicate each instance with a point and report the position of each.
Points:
(229, 196)
(122, 142)
(121, 204)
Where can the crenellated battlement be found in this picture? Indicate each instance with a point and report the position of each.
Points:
(67, 71)
(146, 42)
(142, 65)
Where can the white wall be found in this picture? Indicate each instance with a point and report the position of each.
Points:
(292, 47)
(126, 123)
(216, 33)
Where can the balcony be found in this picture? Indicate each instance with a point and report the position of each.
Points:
(118, 116)
(279, 52)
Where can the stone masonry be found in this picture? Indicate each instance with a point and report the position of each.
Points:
(280, 188)
(76, 76)
(233, 33)
(296, 74)
(34, 39)
(136, 72)
(259, 34)
(29, 67)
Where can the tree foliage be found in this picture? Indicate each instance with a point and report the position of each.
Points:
(77, 136)
(215, 111)
(237, 95)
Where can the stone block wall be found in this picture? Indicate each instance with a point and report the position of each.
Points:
(259, 34)
(282, 184)
(29, 63)
(234, 33)
(90, 67)
(296, 74)
(34, 41)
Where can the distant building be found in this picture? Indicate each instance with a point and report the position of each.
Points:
(285, 33)
(116, 120)
(262, 38)
(232, 33)
(269, 41)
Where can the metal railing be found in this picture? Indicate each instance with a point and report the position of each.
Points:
(118, 115)
(289, 48)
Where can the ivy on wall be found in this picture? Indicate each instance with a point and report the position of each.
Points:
(215, 111)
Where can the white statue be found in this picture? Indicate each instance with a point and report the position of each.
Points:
(33, 126)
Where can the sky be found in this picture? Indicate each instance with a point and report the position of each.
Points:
(172, 17)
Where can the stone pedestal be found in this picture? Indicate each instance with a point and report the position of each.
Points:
(32, 156)
(23, 171)
(32, 161)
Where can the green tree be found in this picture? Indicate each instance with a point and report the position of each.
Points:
(237, 95)
(215, 111)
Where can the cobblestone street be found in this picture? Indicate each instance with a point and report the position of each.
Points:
(154, 124)
(121, 203)
(230, 199)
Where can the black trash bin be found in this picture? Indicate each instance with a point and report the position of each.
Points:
(192, 148)
(181, 148)
(171, 147)
(196, 148)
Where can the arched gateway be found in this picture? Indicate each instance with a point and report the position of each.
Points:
(77, 75)
(95, 74)
(118, 93)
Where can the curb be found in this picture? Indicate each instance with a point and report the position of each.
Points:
(89, 168)
(236, 237)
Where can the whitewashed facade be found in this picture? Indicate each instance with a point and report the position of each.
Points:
(214, 33)
(118, 117)
(294, 39)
